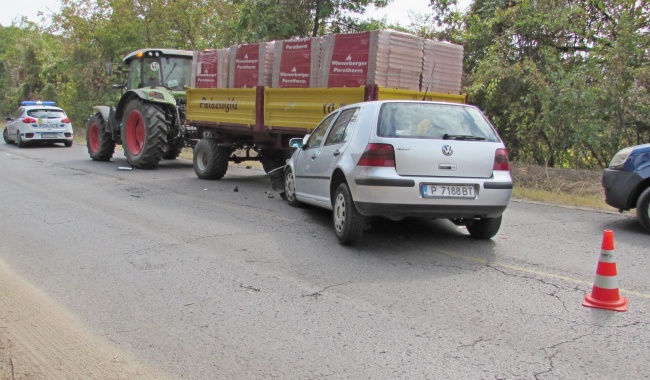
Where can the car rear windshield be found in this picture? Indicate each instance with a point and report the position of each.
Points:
(45, 114)
(434, 121)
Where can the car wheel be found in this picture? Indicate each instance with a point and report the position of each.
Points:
(67, 144)
(290, 189)
(348, 223)
(5, 136)
(484, 228)
(643, 209)
(19, 140)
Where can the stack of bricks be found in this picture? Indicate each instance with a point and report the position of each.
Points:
(442, 68)
(295, 63)
(386, 58)
(251, 65)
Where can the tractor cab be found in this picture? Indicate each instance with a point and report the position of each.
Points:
(150, 68)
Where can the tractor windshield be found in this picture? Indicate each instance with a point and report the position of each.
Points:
(176, 72)
(172, 72)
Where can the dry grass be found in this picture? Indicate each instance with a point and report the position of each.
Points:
(561, 186)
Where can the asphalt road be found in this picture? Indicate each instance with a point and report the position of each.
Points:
(219, 280)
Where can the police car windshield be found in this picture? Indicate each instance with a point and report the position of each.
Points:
(45, 113)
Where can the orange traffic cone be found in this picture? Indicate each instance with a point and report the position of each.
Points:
(604, 294)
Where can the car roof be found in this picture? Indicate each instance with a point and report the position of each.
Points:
(378, 103)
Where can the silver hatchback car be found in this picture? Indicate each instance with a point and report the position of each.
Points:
(398, 159)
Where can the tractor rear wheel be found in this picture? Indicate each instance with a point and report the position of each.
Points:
(98, 139)
(210, 160)
(144, 134)
(173, 151)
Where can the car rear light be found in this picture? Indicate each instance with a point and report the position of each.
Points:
(65, 120)
(378, 155)
(29, 120)
(501, 160)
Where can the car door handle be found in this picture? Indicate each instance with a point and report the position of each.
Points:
(313, 156)
(336, 153)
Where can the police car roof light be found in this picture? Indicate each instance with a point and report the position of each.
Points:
(36, 103)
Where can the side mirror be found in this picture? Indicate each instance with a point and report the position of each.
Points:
(297, 142)
(8, 118)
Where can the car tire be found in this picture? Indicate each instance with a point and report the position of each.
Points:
(210, 161)
(290, 189)
(68, 144)
(5, 136)
(484, 228)
(348, 223)
(19, 140)
(643, 209)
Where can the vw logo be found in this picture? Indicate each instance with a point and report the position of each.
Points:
(447, 151)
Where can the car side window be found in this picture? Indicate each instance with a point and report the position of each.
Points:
(317, 136)
(342, 128)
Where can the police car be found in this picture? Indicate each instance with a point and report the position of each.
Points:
(37, 121)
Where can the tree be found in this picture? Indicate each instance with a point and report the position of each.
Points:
(264, 20)
(557, 77)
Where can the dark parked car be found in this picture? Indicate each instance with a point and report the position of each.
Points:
(627, 182)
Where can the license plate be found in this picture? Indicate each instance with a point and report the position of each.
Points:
(49, 135)
(448, 191)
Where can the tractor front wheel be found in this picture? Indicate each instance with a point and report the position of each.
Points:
(98, 139)
(144, 134)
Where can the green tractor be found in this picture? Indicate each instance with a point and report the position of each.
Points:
(149, 118)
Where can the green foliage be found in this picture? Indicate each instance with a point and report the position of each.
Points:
(563, 82)
(566, 83)
(265, 20)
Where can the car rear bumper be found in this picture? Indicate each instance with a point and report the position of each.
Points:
(429, 211)
(397, 196)
(619, 186)
(47, 137)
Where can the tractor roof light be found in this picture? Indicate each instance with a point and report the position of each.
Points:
(139, 54)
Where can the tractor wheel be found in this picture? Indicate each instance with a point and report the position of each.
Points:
(210, 160)
(173, 151)
(144, 134)
(273, 158)
(98, 139)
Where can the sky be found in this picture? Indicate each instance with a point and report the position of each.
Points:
(13, 9)
(398, 10)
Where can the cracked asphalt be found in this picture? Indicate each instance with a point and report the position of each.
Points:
(198, 281)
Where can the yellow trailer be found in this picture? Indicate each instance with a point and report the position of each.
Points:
(263, 120)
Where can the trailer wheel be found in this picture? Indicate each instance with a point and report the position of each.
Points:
(144, 134)
(210, 160)
(98, 139)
